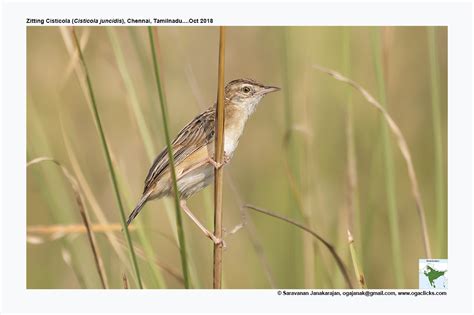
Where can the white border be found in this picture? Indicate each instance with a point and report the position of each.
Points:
(458, 16)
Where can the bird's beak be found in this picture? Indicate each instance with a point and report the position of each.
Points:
(269, 89)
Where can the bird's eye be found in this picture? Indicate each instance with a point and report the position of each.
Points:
(246, 89)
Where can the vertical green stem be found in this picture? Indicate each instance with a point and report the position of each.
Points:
(179, 222)
(290, 148)
(109, 161)
(438, 143)
(146, 135)
(389, 165)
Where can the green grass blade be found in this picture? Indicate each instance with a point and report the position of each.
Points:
(147, 141)
(388, 165)
(179, 222)
(438, 144)
(109, 162)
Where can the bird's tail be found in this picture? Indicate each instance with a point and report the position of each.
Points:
(138, 208)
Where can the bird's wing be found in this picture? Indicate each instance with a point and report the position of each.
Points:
(195, 135)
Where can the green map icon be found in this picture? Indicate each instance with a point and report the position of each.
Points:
(433, 274)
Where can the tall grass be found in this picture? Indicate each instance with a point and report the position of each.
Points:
(440, 191)
(54, 192)
(109, 161)
(352, 182)
(342, 170)
(389, 168)
(402, 145)
(147, 141)
(290, 144)
(329, 246)
(164, 112)
(85, 218)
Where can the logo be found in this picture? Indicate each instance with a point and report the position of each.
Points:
(433, 274)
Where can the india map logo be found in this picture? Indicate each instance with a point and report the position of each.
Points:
(433, 274)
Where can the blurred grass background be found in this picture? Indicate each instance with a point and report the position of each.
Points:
(292, 159)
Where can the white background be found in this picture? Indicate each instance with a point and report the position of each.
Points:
(15, 297)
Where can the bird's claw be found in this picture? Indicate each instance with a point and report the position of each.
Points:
(219, 165)
(218, 241)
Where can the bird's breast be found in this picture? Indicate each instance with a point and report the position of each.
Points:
(232, 132)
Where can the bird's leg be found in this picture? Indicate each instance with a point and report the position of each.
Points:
(218, 165)
(216, 240)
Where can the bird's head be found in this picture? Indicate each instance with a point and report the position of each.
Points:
(246, 93)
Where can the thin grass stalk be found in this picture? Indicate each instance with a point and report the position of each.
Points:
(80, 204)
(89, 196)
(353, 208)
(219, 158)
(157, 277)
(402, 145)
(55, 193)
(355, 262)
(109, 162)
(248, 224)
(146, 136)
(131, 93)
(134, 34)
(179, 221)
(328, 245)
(438, 143)
(208, 200)
(290, 145)
(389, 166)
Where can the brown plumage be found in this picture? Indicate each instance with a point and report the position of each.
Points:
(193, 147)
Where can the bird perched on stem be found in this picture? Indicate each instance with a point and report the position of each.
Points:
(193, 148)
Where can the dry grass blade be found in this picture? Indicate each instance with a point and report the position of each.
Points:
(82, 211)
(124, 281)
(74, 56)
(97, 120)
(402, 145)
(252, 231)
(329, 246)
(75, 228)
(88, 193)
(219, 158)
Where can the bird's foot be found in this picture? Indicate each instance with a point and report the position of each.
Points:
(219, 165)
(218, 241)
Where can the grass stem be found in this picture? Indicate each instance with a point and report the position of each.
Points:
(330, 247)
(164, 111)
(402, 145)
(219, 158)
(355, 262)
(438, 143)
(108, 159)
(389, 166)
(85, 219)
